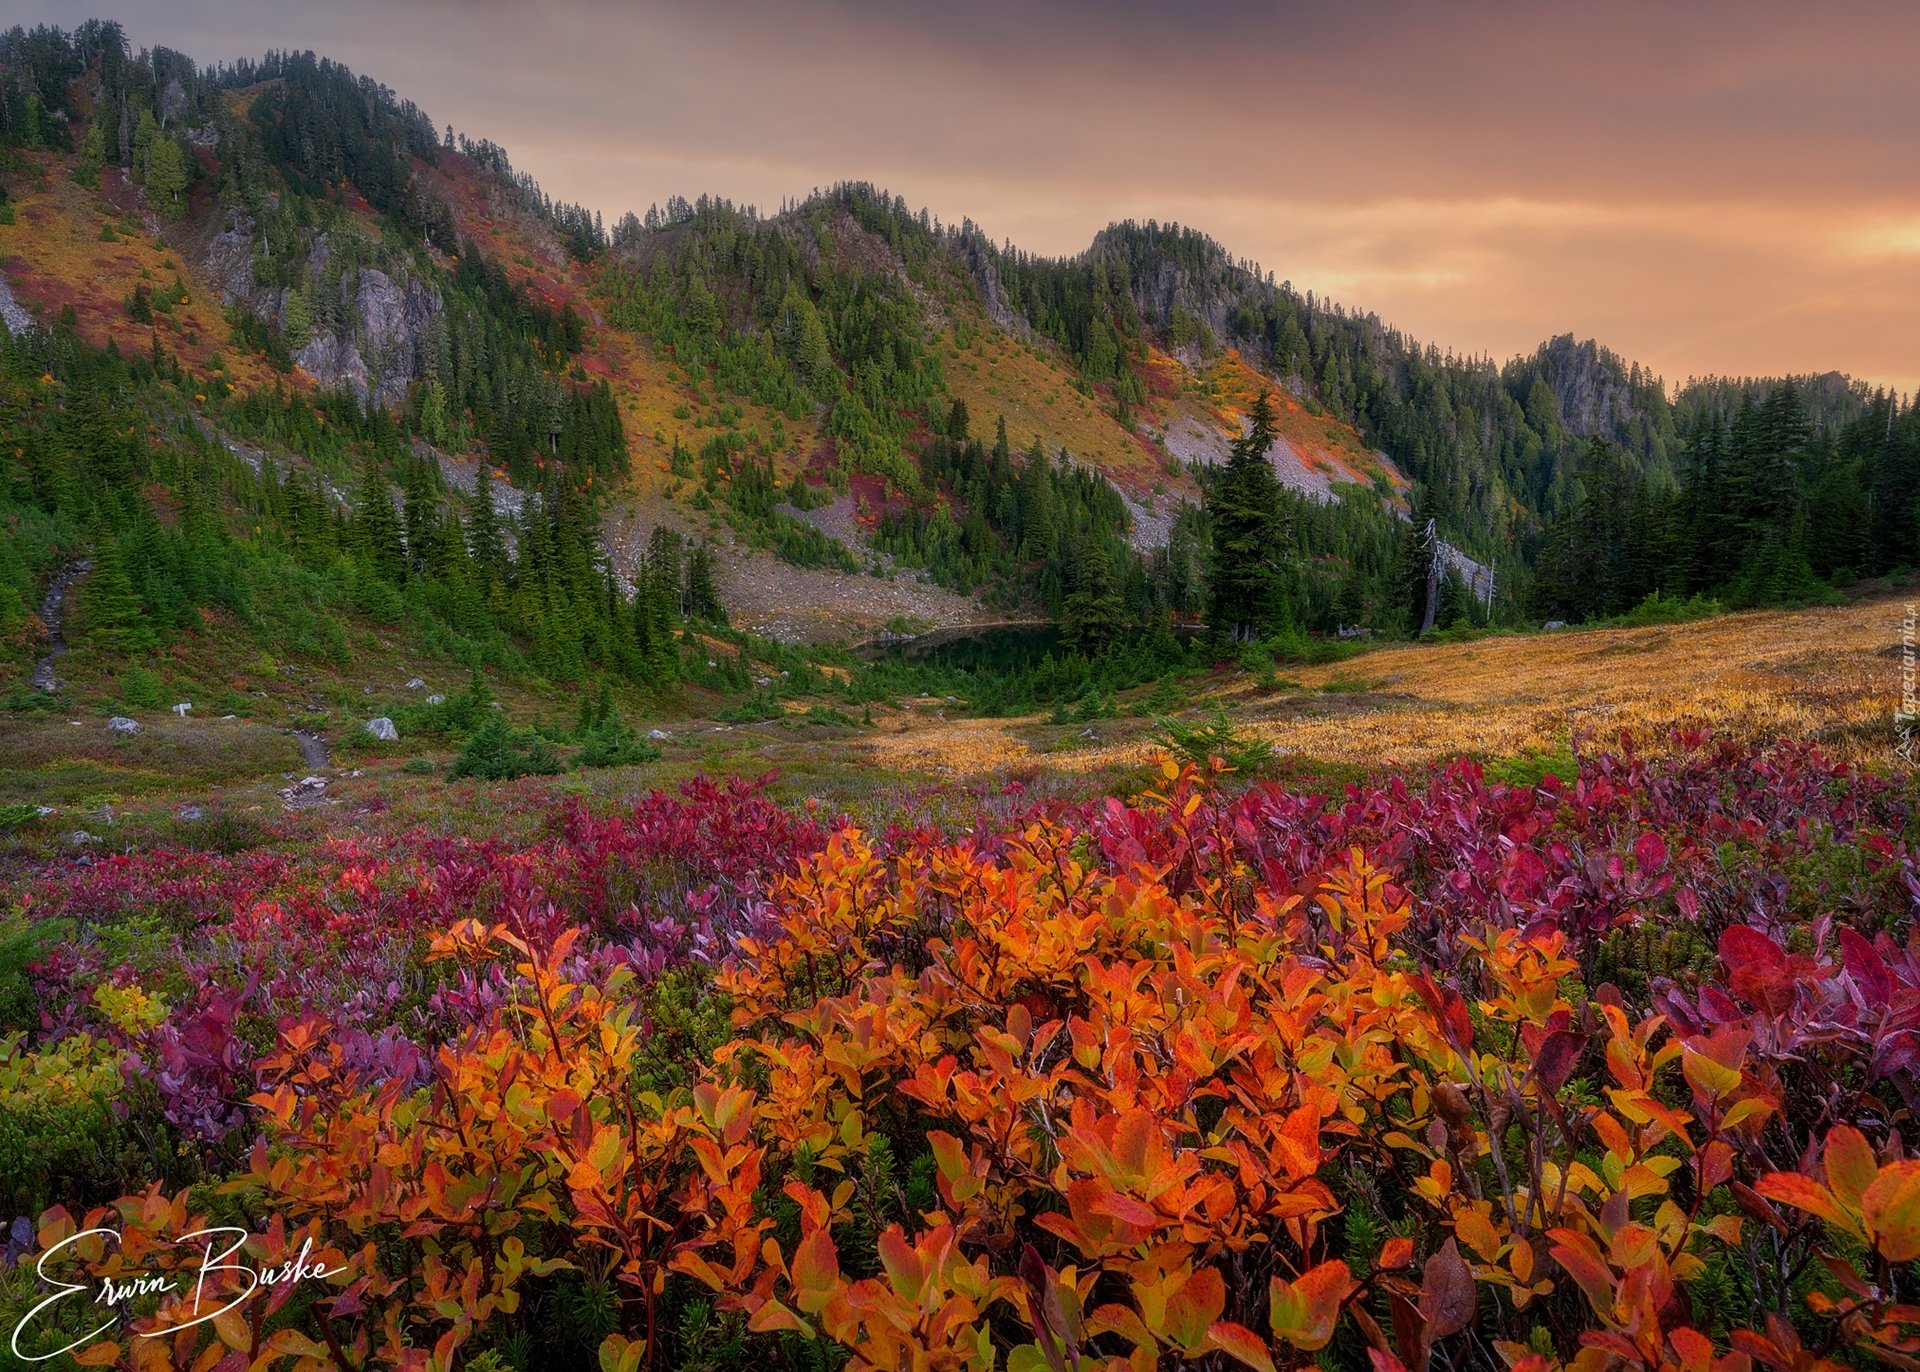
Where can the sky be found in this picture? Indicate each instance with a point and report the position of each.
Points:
(1706, 188)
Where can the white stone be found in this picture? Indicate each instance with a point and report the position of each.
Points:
(182, 708)
(120, 724)
(382, 729)
(658, 735)
(436, 699)
(416, 684)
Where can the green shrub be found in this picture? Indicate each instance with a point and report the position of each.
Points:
(22, 943)
(1343, 684)
(497, 753)
(17, 815)
(418, 767)
(59, 1138)
(1216, 739)
(756, 708)
(1166, 697)
(613, 743)
(361, 742)
(142, 688)
(1533, 767)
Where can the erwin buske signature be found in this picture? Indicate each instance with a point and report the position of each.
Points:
(111, 1291)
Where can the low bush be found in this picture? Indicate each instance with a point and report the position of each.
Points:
(498, 753)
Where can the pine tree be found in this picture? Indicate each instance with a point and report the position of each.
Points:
(1092, 617)
(166, 178)
(703, 597)
(116, 620)
(484, 544)
(1350, 605)
(377, 527)
(1246, 571)
(422, 516)
(1455, 604)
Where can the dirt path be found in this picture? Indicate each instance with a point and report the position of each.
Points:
(313, 750)
(52, 614)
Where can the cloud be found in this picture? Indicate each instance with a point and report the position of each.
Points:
(1708, 188)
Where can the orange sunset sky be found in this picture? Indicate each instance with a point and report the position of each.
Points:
(1704, 188)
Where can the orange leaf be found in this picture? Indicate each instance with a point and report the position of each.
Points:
(1192, 1308)
(1891, 1207)
(773, 1316)
(1790, 1188)
(1397, 1253)
(903, 1265)
(1240, 1343)
(1850, 1165)
(1304, 1310)
(1126, 1208)
(816, 1270)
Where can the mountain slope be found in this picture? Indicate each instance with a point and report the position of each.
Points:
(861, 412)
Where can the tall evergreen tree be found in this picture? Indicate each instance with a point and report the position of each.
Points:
(377, 526)
(703, 596)
(1093, 615)
(116, 620)
(422, 515)
(1246, 584)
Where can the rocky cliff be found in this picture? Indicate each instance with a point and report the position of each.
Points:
(357, 325)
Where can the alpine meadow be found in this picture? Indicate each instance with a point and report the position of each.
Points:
(723, 788)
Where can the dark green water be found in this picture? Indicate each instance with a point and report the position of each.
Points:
(1000, 648)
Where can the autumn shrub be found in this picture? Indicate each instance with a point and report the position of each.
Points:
(1441, 1072)
(59, 1136)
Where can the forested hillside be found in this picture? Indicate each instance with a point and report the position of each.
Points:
(346, 364)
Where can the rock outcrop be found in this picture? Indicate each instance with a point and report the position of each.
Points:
(374, 326)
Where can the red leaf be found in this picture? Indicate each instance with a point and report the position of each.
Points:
(1448, 1297)
(1556, 1058)
(1865, 966)
(1757, 969)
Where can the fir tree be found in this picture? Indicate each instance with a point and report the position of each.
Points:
(166, 177)
(484, 545)
(1092, 617)
(422, 516)
(116, 620)
(1245, 578)
(703, 597)
(377, 527)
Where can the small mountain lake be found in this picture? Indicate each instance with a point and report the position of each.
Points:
(1003, 648)
(974, 648)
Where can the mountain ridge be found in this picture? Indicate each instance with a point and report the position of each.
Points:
(720, 372)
